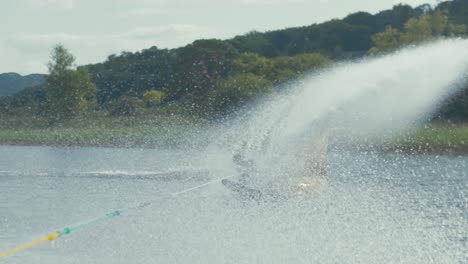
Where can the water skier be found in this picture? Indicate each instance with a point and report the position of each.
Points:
(314, 173)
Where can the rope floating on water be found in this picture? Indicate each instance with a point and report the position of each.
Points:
(53, 236)
(108, 216)
(49, 237)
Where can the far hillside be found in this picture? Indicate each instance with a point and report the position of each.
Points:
(11, 83)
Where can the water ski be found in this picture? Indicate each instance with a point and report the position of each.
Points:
(242, 190)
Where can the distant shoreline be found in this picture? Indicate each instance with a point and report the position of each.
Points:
(84, 138)
(413, 149)
(408, 149)
(450, 140)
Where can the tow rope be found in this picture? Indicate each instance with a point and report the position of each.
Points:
(108, 216)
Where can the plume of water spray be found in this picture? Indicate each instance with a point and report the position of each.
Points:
(378, 94)
(363, 98)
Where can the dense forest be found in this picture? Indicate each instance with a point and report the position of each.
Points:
(211, 78)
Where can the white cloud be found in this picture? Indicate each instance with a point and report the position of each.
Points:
(167, 36)
(171, 35)
(57, 4)
(147, 3)
(32, 49)
(206, 4)
(143, 12)
(273, 2)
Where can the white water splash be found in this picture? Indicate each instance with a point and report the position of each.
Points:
(366, 98)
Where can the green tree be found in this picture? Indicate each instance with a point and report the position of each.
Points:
(417, 30)
(458, 10)
(197, 69)
(388, 40)
(132, 74)
(439, 23)
(33, 98)
(252, 63)
(236, 91)
(153, 97)
(456, 30)
(5, 103)
(278, 69)
(126, 106)
(69, 92)
(254, 42)
(287, 68)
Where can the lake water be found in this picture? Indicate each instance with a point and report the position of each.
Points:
(378, 208)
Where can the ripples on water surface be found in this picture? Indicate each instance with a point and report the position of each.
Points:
(379, 208)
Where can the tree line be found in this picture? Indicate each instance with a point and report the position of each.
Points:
(211, 78)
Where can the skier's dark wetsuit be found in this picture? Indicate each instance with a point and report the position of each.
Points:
(310, 180)
(245, 168)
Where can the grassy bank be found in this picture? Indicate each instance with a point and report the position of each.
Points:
(144, 130)
(435, 138)
(150, 129)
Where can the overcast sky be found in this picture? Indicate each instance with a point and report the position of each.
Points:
(94, 29)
